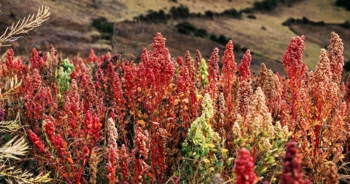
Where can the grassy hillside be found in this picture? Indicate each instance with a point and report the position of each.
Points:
(70, 29)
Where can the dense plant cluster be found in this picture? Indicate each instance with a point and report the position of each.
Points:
(183, 12)
(104, 119)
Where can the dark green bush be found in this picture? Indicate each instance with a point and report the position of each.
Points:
(347, 66)
(232, 13)
(162, 16)
(248, 10)
(154, 17)
(223, 40)
(244, 49)
(266, 5)
(188, 29)
(173, 11)
(304, 20)
(346, 25)
(288, 22)
(196, 15)
(213, 37)
(251, 16)
(185, 28)
(237, 46)
(180, 12)
(103, 25)
(184, 11)
(201, 33)
(209, 14)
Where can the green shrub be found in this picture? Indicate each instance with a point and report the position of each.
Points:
(222, 39)
(346, 25)
(154, 17)
(213, 37)
(201, 33)
(232, 13)
(180, 12)
(209, 14)
(266, 5)
(185, 28)
(288, 22)
(237, 46)
(103, 25)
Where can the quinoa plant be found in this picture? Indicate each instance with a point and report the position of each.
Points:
(201, 150)
(104, 119)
